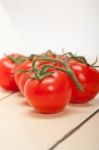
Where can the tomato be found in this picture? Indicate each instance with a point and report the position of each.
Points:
(24, 66)
(23, 78)
(49, 95)
(89, 79)
(7, 68)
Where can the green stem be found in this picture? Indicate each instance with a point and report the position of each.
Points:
(37, 72)
(68, 71)
(11, 58)
(17, 60)
(32, 56)
(94, 62)
(50, 60)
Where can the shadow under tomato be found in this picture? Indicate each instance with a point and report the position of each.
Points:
(24, 103)
(84, 105)
(64, 113)
(19, 94)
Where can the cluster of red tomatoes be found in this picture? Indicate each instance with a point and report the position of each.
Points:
(49, 81)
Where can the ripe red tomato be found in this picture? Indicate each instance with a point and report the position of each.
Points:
(49, 95)
(27, 64)
(89, 79)
(8, 65)
(24, 66)
(23, 78)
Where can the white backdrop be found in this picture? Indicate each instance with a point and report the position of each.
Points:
(30, 26)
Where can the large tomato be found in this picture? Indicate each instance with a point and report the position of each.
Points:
(8, 65)
(89, 78)
(49, 95)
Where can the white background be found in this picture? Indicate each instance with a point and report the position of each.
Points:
(33, 26)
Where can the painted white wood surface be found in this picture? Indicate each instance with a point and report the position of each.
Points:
(21, 128)
(4, 93)
(87, 138)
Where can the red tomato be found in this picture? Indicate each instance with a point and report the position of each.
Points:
(89, 79)
(23, 78)
(49, 95)
(7, 69)
(24, 66)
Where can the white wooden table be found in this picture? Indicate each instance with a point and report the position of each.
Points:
(21, 128)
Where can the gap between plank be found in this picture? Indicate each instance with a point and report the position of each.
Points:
(4, 97)
(67, 135)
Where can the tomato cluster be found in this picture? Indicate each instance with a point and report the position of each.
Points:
(49, 81)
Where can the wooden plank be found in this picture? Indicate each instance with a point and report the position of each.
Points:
(87, 138)
(4, 94)
(23, 128)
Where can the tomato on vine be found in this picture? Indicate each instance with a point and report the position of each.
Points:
(48, 89)
(87, 75)
(89, 78)
(49, 95)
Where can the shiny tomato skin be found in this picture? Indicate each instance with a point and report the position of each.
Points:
(89, 79)
(49, 95)
(23, 78)
(7, 75)
(24, 66)
(7, 69)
